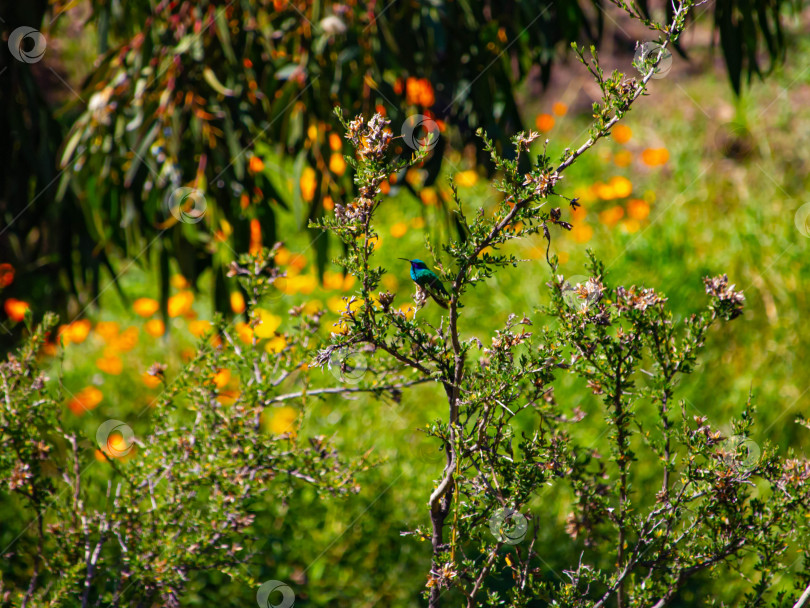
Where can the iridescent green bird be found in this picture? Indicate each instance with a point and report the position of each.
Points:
(428, 281)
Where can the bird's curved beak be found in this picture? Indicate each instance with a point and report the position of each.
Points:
(406, 259)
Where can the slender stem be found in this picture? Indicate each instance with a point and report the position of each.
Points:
(339, 390)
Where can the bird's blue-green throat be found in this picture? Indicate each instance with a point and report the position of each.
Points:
(427, 280)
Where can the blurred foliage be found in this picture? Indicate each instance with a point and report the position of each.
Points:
(194, 89)
(187, 94)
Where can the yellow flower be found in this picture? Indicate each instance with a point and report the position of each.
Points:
(282, 420)
(155, 328)
(178, 281)
(305, 284)
(237, 302)
(390, 282)
(466, 178)
(312, 307)
(332, 280)
(110, 365)
(337, 165)
(409, 310)
(631, 225)
(622, 187)
(268, 323)
(282, 256)
(180, 303)
(335, 142)
(585, 194)
(559, 108)
(399, 230)
(308, 183)
(335, 304)
(275, 345)
(341, 327)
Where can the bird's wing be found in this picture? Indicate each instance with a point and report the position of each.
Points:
(435, 283)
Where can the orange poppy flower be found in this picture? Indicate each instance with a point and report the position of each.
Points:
(15, 309)
(638, 208)
(399, 230)
(337, 164)
(255, 237)
(429, 197)
(544, 122)
(582, 233)
(6, 275)
(178, 281)
(107, 330)
(622, 134)
(559, 108)
(623, 158)
(199, 327)
(610, 216)
(308, 183)
(180, 303)
(85, 400)
(126, 340)
(653, 157)
(145, 307)
(255, 165)
(419, 92)
(150, 381)
(111, 364)
(222, 377)
(155, 328)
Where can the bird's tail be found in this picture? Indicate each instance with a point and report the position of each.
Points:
(439, 300)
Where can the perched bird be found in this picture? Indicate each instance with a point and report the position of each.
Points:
(425, 278)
